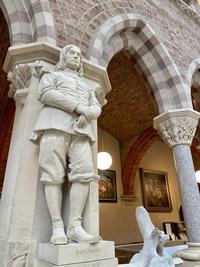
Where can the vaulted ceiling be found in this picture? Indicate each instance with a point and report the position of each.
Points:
(131, 107)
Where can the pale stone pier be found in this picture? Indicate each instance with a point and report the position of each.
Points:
(24, 220)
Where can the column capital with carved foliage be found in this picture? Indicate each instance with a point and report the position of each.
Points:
(177, 126)
(19, 79)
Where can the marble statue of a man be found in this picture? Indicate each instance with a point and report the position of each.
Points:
(65, 135)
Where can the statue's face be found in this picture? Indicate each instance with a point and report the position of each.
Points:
(73, 58)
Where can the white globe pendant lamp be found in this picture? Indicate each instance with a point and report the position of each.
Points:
(197, 173)
(104, 160)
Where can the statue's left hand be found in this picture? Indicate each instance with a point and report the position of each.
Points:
(82, 122)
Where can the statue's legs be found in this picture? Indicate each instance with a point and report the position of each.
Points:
(78, 197)
(53, 194)
(54, 147)
(80, 175)
(52, 162)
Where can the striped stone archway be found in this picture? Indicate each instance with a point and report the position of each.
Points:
(29, 21)
(131, 32)
(192, 70)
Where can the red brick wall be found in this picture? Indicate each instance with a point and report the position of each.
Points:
(135, 154)
(7, 106)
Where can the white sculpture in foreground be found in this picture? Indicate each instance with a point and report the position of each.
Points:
(64, 133)
(152, 253)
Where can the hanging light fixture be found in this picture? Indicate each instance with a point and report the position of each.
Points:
(104, 159)
(197, 173)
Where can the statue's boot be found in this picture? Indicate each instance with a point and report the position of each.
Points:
(76, 233)
(78, 197)
(58, 235)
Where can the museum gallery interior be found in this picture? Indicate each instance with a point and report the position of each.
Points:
(75, 172)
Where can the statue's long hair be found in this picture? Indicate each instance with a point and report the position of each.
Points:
(62, 61)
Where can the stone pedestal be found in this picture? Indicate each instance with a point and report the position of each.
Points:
(101, 263)
(78, 254)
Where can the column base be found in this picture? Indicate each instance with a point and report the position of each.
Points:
(192, 253)
(78, 255)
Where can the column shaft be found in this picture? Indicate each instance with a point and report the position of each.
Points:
(190, 196)
(177, 128)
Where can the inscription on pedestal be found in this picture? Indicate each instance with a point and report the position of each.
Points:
(76, 253)
(88, 251)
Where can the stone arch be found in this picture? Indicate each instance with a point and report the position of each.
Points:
(131, 32)
(194, 146)
(28, 21)
(193, 67)
(134, 157)
(44, 29)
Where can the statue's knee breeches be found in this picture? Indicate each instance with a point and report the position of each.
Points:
(55, 147)
(52, 157)
(81, 168)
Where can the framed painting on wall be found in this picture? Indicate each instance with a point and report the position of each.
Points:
(156, 195)
(107, 186)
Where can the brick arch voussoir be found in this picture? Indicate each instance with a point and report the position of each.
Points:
(96, 16)
(28, 21)
(18, 21)
(111, 27)
(135, 154)
(44, 28)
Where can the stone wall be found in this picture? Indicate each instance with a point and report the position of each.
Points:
(77, 21)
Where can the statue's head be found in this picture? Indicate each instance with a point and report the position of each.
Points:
(70, 57)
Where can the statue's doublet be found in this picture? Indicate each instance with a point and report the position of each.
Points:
(61, 92)
(70, 84)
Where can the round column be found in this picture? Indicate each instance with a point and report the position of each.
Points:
(177, 129)
(190, 196)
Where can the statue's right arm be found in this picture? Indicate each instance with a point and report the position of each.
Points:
(50, 96)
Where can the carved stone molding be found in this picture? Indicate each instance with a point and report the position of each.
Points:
(187, 9)
(178, 126)
(44, 52)
(38, 69)
(179, 130)
(18, 254)
(20, 78)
